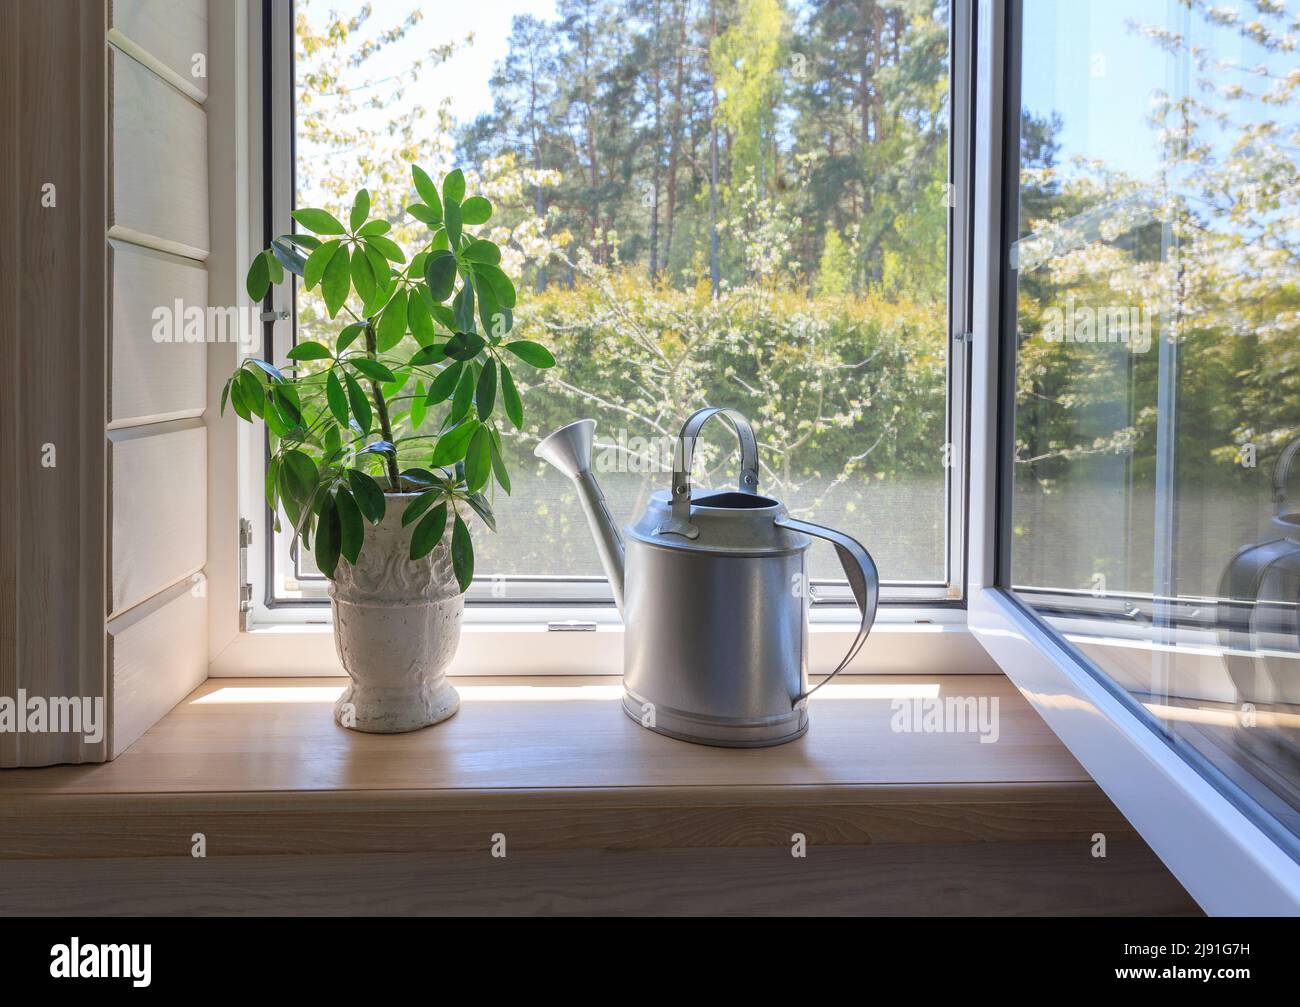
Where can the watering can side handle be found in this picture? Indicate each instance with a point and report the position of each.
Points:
(863, 579)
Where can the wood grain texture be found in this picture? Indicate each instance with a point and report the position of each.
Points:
(166, 35)
(157, 654)
(160, 162)
(598, 814)
(84, 826)
(278, 735)
(158, 508)
(969, 879)
(53, 295)
(154, 380)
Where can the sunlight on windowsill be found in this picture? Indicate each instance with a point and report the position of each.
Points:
(542, 693)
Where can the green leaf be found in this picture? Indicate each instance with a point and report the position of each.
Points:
(270, 487)
(286, 400)
(419, 318)
(237, 402)
(351, 531)
(451, 219)
(497, 320)
(289, 255)
(369, 497)
(349, 335)
(360, 404)
(374, 227)
(385, 285)
(253, 392)
(497, 280)
(453, 186)
(428, 533)
(392, 323)
(443, 316)
(430, 354)
(386, 247)
(333, 443)
(531, 353)
(425, 215)
(422, 477)
(318, 261)
(462, 555)
(475, 210)
(464, 345)
(478, 460)
(270, 369)
(451, 446)
(275, 421)
(418, 506)
(427, 190)
(441, 387)
(463, 396)
(320, 221)
(499, 466)
(372, 369)
(463, 308)
(300, 474)
(328, 536)
(479, 504)
(335, 283)
(419, 407)
(440, 275)
(258, 280)
(309, 351)
(514, 404)
(360, 210)
(481, 250)
(274, 266)
(485, 393)
(363, 276)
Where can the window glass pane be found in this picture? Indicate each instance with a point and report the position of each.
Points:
(1157, 271)
(702, 202)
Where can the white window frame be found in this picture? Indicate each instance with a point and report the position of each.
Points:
(1228, 862)
(929, 613)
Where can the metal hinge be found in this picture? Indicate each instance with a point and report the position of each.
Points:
(963, 337)
(245, 585)
(275, 316)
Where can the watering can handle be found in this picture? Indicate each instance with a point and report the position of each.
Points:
(863, 579)
(680, 521)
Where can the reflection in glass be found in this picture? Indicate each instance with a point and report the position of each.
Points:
(1156, 264)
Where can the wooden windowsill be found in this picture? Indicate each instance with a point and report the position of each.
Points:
(261, 771)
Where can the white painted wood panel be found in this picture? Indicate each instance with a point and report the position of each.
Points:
(159, 192)
(158, 502)
(157, 655)
(154, 379)
(168, 36)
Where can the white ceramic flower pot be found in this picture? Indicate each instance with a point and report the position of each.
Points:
(396, 626)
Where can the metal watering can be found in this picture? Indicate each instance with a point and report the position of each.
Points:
(713, 591)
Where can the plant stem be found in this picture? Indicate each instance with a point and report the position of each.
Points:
(381, 409)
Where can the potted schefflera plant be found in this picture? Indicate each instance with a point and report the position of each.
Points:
(385, 437)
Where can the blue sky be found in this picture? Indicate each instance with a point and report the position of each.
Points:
(1082, 60)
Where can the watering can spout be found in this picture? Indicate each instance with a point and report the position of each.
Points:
(569, 450)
